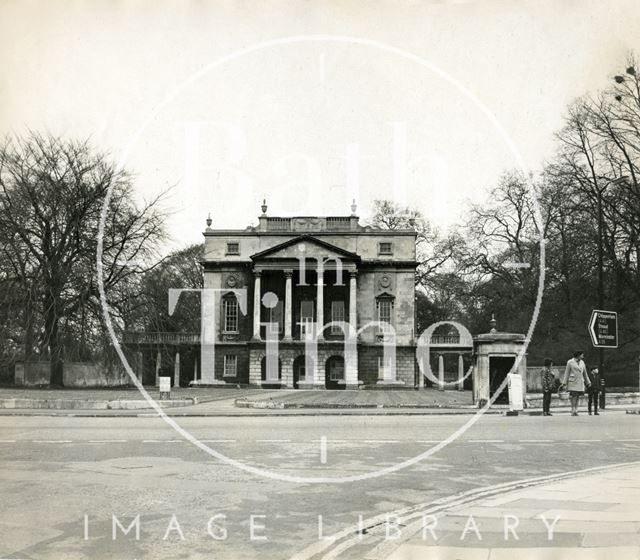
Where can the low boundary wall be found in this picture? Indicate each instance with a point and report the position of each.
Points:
(75, 374)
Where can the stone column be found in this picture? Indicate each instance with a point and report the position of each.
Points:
(320, 304)
(288, 304)
(139, 366)
(176, 370)
(256, 306)
(460, 371)
(195, 369)
(353, 304)
(441, 372)
(158, 366)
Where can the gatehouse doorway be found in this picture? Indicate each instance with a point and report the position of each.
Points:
(499, 367)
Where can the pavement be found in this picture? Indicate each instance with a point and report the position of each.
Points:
(305, 479)
(233, 401)
(587, 515)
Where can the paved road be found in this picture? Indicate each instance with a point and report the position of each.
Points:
(57, 470)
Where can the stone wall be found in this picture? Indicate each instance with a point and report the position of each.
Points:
(32, 374)
(288, 353)
(242, 369)
(406, 366)
(534, 377)
(364, 244)
(368, 357)
(75, 374)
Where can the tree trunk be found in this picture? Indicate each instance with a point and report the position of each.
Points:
(56, 377)
(28, 329)
(52, 323)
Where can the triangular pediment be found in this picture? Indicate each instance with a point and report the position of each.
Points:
(305, 246)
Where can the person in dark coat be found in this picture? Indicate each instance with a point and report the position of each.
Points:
(594, 390)
(548, 386)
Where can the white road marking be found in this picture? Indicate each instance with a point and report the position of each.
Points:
(323, 450)
(324, 441)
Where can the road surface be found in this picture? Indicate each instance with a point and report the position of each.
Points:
(66, 482)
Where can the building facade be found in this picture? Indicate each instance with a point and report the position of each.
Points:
(335, 296)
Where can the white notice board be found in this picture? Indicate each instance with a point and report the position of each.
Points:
(515, 391)
(165, 384)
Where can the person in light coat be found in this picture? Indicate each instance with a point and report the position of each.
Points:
(575, 380)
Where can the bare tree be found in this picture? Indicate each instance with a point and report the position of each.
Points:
(433, 250)
(51, 195)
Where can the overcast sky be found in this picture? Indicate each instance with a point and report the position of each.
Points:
(422, 102)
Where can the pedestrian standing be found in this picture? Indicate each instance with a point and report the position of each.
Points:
(548, 386)
(594, 390)
(575, 380)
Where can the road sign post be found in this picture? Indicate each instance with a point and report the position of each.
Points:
(603, 328)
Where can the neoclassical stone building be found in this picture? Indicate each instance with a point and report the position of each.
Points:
(294, 279)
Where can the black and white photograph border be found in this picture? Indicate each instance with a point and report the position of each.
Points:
(319, 280)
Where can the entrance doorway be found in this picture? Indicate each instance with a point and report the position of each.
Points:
(499, 367)
(263, 374)
(300, 373)
(334, 373)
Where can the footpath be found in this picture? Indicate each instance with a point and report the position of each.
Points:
(233, 401)
(589, 515)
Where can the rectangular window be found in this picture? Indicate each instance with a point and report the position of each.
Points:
(276, 318)
(384, 310)
(306, 318)
(233, 248)
(230, 365)
(337, 314)
(385, 248)
(230, 315)
(336, 373)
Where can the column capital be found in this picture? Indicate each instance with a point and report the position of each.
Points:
(257, 273)
(353, 273)
(288, 272)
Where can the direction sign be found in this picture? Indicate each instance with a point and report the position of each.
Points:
(603, 328)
